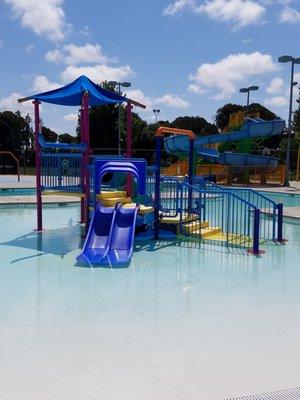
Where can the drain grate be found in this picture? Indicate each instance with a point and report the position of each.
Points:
(287, 394)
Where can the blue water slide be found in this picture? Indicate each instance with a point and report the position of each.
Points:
(110, 236)
(122, 237)
(238, 159)
(61, 146)
(252, 128)
(96, 244)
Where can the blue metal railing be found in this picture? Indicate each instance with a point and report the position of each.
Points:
(204, 211)
(271, 212)
(61, 171)
(235, 221)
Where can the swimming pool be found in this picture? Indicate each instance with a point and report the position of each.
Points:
(182, 322)
(17, 192)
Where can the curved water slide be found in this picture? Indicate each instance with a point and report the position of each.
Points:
(252, 128)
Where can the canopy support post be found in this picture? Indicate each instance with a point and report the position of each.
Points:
(82, 162)
(129, 144)
(86, 156)
(39, 204)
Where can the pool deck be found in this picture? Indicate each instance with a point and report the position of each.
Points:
(28, 181)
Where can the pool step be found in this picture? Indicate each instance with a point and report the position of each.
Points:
(205, 233)
(195, 225)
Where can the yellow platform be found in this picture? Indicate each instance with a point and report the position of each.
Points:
(111, 194)
(142, 210)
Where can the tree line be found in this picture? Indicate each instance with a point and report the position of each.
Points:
(16, 132)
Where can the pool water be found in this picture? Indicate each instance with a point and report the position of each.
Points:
(182, 322)
(289, 200)
(18, 192)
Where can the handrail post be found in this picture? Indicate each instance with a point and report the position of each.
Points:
(255, 247)
(280, 222)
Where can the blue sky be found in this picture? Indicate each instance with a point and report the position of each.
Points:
(185, 57)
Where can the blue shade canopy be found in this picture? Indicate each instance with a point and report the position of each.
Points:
(71, 94)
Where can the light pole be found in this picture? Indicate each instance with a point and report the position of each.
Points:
(156, 112)
(293, 61)
(119, 85)
(248, 90)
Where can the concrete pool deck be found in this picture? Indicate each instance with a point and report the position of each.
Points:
(28, 181)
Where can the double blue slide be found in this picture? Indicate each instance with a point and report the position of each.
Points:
(110, 236)
(252, 128)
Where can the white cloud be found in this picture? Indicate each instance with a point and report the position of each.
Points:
(276, 85)
(54, 56)
(289, 15)
(226, 74)
(70, 117)
(138, 95)
(29, 49)
(97, 73)
(277, 101)
(10, 103)
(177, 6)
(72, 54)
(172, 100)
(42, 84)
(44, 17)
(239, 12)
(197, 89)
(246, 41)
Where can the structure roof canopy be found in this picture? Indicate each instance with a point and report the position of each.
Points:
(71, 94)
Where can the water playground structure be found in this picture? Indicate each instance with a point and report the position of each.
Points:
(143, 206)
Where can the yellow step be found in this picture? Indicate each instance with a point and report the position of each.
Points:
(206, 232)
(111, 194)
(112, 201)
(193, 226)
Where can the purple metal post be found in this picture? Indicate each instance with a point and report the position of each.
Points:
(86, 136)
(128, 145)
(82, 169)
(38, 165)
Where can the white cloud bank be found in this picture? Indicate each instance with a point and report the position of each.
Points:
(276, 85)
(239, 12)
(97, 73)
(225, 75)
(44, 17)
(172, 100)
(72, 54)
(289, 15)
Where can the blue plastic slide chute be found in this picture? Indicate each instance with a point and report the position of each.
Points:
(238, 159)
(252, 128)
(110, 238)
(61, 146)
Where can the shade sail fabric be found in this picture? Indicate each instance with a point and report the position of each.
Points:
(71, 94)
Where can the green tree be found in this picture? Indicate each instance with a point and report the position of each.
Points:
(49, 135)
(196, 124)
(20, 131)
(223, 113)
(66, 138)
